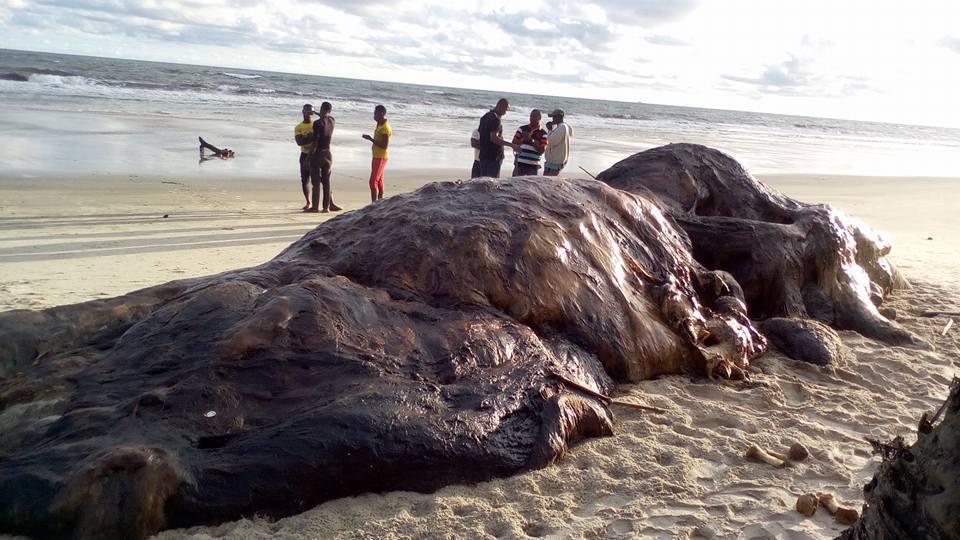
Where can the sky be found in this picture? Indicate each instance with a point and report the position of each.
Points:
(880, 60)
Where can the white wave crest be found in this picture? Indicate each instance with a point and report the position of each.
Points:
(63, 81)
(241, 75)
(227, 88)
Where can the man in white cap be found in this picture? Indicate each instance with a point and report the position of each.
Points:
(558, 147)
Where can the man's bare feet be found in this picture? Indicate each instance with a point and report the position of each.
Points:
(335, 208)
(324, 211)
(306, 207)
(312, 210)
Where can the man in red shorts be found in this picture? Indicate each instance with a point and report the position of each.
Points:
(380, 141)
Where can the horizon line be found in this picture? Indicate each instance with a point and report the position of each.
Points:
(789, 115)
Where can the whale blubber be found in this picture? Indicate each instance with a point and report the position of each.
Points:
(393, 349)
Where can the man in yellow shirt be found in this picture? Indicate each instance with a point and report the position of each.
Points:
(303, 133)
(380, 140)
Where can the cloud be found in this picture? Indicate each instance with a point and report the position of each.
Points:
(797, 77)
(669, 41)
(951, 43)
(547, 30)
(788, 77)
(646, 12)
(356, 7)
(568, 43)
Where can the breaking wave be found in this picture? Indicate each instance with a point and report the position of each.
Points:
(241, 75)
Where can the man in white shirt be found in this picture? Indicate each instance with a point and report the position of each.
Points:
(558, 149)
(475, 143)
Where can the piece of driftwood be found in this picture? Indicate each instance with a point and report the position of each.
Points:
(609, 400)
(940, 314)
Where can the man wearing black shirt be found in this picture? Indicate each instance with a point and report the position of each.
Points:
(491, 140)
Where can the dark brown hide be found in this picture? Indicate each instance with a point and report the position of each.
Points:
(407, 345)
(792, 259)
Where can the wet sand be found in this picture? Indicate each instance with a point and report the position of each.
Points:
(680, 474)
(66, 240)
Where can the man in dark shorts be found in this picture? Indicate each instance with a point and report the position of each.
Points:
(303, 133)
(532, 141)
(491, 140)
(321, 161)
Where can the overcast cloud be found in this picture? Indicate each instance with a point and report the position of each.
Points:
(856, 58)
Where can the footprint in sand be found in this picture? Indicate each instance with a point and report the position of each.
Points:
(499, 529)
(619, 526)
(602, 505)
(688, 431)
(794, 394)
(538, 530)
(730, 422)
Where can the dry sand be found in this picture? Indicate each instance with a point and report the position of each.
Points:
(675, 475)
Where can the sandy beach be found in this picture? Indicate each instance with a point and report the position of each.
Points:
(70, 239)
(676, 475)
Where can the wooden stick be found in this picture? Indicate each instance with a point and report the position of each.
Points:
(608, 399)
(588, 172)
(947, 327)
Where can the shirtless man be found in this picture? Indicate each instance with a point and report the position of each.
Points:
(321, 161)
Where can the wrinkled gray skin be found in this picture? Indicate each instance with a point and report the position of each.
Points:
(792, 259)
(916, 493)
(406, 345)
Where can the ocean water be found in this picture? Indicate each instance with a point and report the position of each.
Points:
(62, 114)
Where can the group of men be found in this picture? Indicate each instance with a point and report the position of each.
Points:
(316, 160)
(533, 144)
